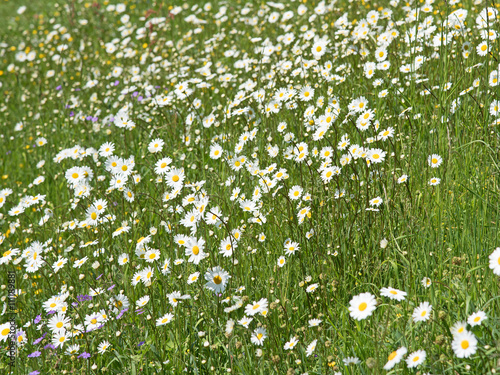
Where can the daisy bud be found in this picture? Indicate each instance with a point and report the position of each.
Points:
(371, 362)
(440, 340)
(442, 315)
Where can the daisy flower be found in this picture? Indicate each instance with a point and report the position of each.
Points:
(362, 306)
(476, 318)
(426, 282)
(464, 344)
(458, 328)
(216, 279)
(395, 357)
(422, 312)
(416, 358)
(392, 293)
(103, 346)
(314, 322)
(434, 181)
(495, 261)
(258, 336)
(256, 307)
(165, 319)
(291, 344)
(434, 160)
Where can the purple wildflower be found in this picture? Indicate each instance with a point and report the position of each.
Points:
(35, 354)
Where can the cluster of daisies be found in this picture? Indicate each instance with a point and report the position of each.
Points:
(202, 147)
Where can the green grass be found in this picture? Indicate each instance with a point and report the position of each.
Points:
(444, 232)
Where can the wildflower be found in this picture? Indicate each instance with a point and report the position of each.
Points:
(291, 344)
(434, 160)
(165, 319)
(422, 312)
(494, 261)
(477, 318)
(362, 306)
(464, 344)
(216, 279)
(395, 357)
(415, 359)
(311, 347)
(392, 293)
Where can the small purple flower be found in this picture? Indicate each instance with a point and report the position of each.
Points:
(78, 89)
(36, 372)
(35, 354)
(95, 119)
(51, 312)
(49, 346)
(139, 311)
(141, 343)
(111, 287)
(98, 277)
(157, 87)
(38, 319)
(39, 339)
(117, 83)
(74, 304)
(88, 118)
(135, 93)
(71, 114)
(58, 87)
(121, 313)
(84, 355)
(115, 204)
(139, 98)
(8, 152)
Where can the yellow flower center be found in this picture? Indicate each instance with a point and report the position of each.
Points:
(196, 250)
(464, 344)
(175, 178)
(59, 324)
(5, 331)
(217, 280)
(93, 321)
(416, 359)
(75, 175)
(362, 306)
(477, 319)
(392, 356)
(93, 215)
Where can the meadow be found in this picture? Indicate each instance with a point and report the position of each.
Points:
(245, 187)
